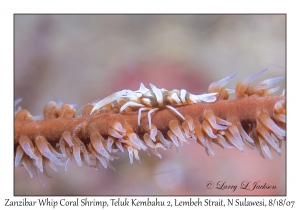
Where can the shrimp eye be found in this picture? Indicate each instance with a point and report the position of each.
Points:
(146, 101)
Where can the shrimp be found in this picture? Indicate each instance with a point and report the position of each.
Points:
(152, 100)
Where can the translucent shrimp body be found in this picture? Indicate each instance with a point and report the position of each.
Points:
(153, 99)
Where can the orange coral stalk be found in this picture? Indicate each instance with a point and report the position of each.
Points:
(244, 109)
(254, 119)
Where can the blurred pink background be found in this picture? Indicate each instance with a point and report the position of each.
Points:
(81, 58)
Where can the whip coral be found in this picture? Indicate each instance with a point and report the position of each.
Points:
(96, 134)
